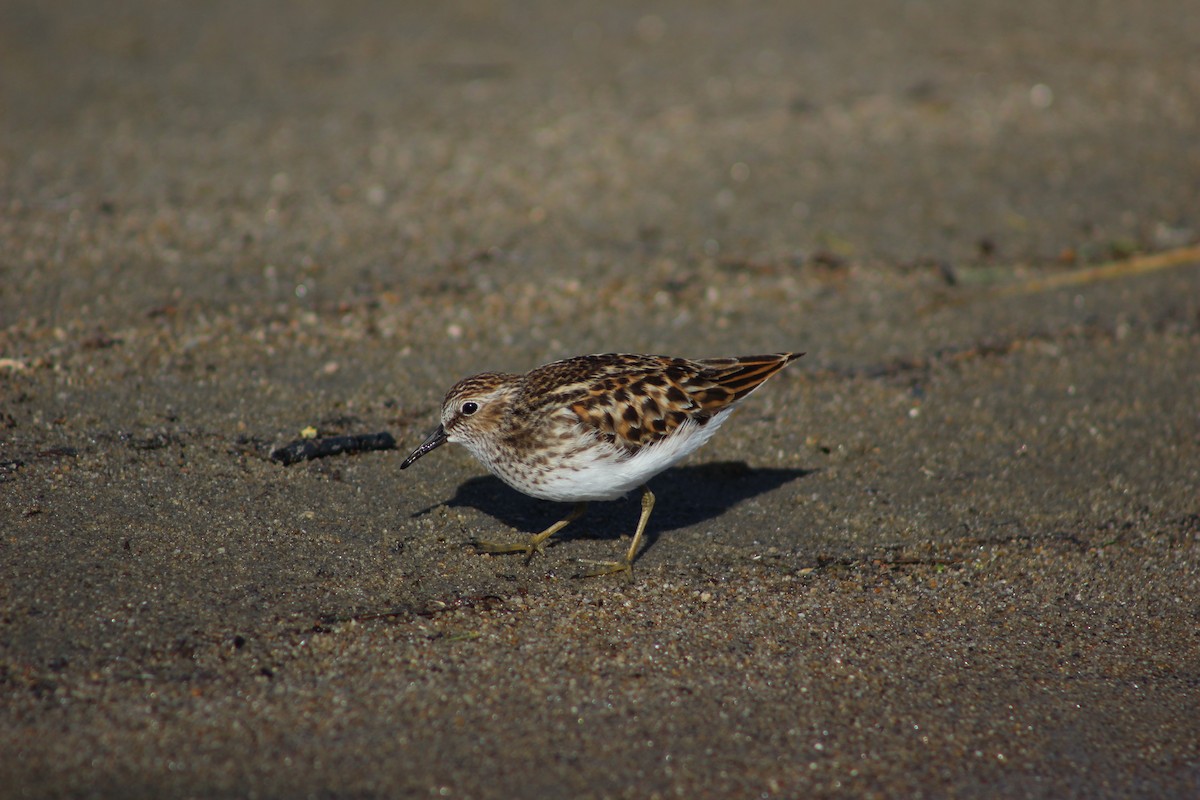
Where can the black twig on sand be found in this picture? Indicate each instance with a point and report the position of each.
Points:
(306, 449)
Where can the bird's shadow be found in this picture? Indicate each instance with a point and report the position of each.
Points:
(684, 496)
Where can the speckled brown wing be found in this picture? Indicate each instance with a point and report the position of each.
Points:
(634, 400)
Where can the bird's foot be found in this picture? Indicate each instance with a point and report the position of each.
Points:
(529, 547)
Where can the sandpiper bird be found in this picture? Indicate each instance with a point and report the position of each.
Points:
(594, 427)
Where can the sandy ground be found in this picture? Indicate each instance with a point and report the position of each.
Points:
(954, 551)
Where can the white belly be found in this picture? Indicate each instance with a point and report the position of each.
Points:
(604, 472)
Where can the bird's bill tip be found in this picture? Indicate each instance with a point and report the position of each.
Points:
(432, 442)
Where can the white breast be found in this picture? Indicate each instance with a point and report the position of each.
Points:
(605, 472)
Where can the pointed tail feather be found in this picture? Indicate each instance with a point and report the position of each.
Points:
(740, 376)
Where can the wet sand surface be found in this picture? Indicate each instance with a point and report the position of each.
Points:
(953, 551)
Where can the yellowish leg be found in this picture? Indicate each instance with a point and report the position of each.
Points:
(537, 542)
(626, 564)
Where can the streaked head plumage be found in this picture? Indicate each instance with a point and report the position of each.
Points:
(474, 406)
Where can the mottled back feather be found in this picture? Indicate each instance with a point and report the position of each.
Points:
(635, 400)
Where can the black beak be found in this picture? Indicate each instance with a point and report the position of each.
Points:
(433, 442)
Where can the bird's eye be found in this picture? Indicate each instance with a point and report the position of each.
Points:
(469, 408)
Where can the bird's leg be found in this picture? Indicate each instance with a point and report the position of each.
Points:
(535, 543)
(626, 564)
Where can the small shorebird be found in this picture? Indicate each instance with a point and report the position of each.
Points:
(594, 427)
